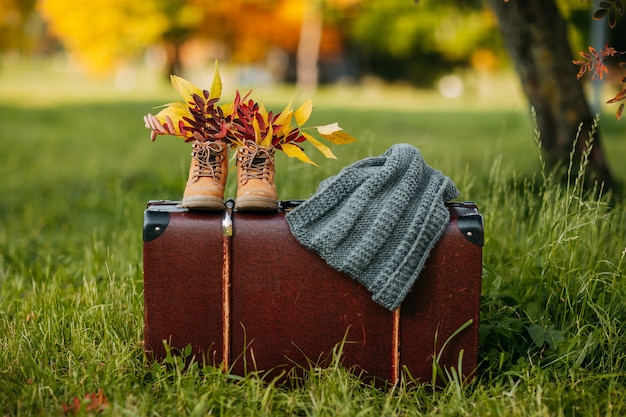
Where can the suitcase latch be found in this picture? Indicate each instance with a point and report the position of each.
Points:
(227, 219)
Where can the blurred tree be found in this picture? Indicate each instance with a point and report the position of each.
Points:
(14, 24)
(400, 40)
(102, 33)
(248, 30)
(536, 36)
(183, 19)
(305, 31)
(300, 29)
(309, 46)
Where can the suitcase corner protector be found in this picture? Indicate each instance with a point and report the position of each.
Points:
(154, 224)
(472, 227)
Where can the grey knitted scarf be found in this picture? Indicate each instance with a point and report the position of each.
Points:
(377, 220)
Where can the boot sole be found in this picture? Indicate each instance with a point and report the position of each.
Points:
(256, 203)
(203, 203)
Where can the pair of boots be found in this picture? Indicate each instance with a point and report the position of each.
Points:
(208, 171)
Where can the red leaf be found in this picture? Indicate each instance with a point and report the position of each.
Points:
(608, 51)
(612, 19)
(95, 401)
(619, 97)
(599, 14)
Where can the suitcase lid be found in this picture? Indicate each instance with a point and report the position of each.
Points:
(156, 217)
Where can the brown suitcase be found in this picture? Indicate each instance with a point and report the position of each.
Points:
(259, 301)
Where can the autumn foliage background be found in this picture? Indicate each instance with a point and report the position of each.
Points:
(351, 37)
(293, 41)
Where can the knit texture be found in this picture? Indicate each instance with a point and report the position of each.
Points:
(377, 220)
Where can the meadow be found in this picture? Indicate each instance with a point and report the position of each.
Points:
(78, 168)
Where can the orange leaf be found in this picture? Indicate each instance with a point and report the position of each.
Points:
(618, 97)
(95, 401)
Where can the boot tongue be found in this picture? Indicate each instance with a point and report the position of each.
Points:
(258, 160)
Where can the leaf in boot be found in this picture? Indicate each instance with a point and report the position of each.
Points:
(185, 88)
(295, 151)
(303, 112)
(333, 133)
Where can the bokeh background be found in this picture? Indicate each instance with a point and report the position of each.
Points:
(454, 46)
(415, 57)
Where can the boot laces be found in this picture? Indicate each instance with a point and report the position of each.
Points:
(208, 157)
(255, 162)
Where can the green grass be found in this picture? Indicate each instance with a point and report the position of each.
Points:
(78, 167)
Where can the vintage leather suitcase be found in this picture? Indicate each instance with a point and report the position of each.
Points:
(241, 290)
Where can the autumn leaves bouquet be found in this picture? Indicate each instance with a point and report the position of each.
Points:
(244, 126)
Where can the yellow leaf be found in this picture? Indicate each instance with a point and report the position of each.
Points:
(303, 112)
(284, 120)
(263, 112)
(335, 134)
(325, 150)
(285, 126)
(257, 130)
(267, 141)
(340, 138)
(216, 85)
(294, 151)
(176, 112)
(284, 115)
(176, 109)
(228, 109)
(185, 88)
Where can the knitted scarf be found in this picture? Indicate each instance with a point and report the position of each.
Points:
(377, 220)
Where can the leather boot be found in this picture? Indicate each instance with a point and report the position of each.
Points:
(207, 176)
(255, 173)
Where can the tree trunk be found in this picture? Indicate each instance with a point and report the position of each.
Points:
(173, 59)
(309, 47)
(535, 35)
